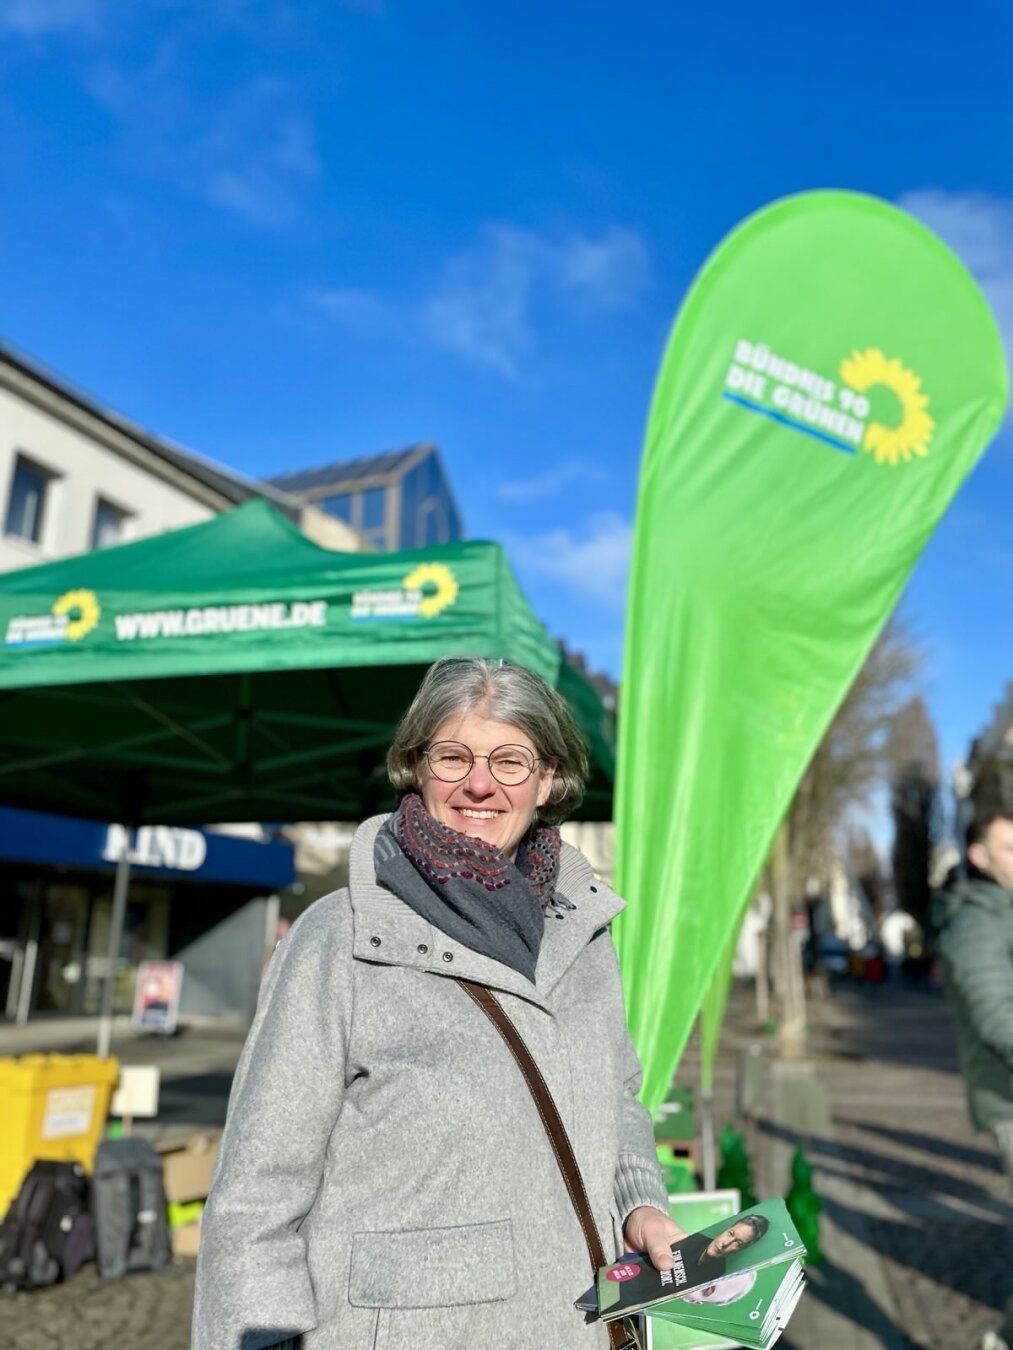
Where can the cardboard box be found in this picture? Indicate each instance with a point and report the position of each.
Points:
(186, 1240)
(188, 1166)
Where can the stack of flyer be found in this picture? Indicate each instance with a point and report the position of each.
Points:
(736, 1282)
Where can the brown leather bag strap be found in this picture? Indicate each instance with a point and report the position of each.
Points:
(621, 1336)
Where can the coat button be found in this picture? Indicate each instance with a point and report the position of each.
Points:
(448, 956)
(422, 948)
(374, 942)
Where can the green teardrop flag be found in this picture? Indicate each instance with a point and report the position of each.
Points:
(831, 378)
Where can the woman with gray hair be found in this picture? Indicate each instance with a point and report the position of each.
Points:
(386, 1177)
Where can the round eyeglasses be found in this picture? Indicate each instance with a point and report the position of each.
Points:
(451, 762)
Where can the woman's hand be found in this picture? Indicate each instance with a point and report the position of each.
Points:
(648, 1230)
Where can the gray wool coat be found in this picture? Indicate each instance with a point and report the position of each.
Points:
(384, 1179)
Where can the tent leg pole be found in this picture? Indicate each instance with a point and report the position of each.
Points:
(708, 1161)
(31, 957)
(120, 888)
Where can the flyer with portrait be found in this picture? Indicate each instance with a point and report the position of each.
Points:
(737, 1279)
(750, 1308)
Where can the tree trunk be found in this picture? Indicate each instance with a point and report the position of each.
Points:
(763, 976)
(787, 953)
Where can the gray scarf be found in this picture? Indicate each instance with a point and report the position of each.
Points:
(504, 923)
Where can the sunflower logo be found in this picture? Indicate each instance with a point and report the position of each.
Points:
(912, 435)
(84, 609)
(442, 582)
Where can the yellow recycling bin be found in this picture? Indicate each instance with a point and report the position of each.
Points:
(51, 1106)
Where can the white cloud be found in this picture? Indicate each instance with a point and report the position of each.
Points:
(551, 483)
(357, 310)
(607, 272)
(247, 145)
(481, 309)
(592, 564)
(32, 18)
(252, 152)
(979, 229)
(257, 155)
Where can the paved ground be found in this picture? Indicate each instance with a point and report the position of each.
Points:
(917, 1222)
(142, 1312)
(904, 1173)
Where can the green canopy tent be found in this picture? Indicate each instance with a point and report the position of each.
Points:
(234, 670)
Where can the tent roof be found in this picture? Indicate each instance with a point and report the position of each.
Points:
(236, 670)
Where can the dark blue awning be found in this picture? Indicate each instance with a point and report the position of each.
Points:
(155, 850)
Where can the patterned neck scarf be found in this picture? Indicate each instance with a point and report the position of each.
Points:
(441, 854)
(468, 889)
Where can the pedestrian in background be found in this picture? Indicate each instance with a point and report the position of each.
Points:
(385, 1178)
(975, 918)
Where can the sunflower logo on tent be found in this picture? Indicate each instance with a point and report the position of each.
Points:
(912, 435)
(83, 611)
(438, 584)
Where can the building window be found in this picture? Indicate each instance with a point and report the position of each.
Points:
(109, 525)
(340, 507)
(26, 507)
(431, 527)
(374, 508)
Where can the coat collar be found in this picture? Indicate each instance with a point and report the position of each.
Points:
(389, 932)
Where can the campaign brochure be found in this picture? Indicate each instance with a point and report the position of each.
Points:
(736, 1280)
(694, 1210)
(750, 1308)
(662, 1335)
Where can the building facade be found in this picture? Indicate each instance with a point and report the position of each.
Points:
(398, 500)
(205, 899)
(75, 476)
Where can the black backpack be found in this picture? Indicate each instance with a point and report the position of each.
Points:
(128, 1201)
(48, 1232)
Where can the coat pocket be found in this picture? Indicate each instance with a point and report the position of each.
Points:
(433, 1267)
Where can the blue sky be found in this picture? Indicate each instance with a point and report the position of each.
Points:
(285, 233)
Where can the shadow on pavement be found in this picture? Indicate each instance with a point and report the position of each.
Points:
(887, 1173)
(972, 1258)
(944, 1148)
(913, 1029)
(199, 1098)
(838, 1290)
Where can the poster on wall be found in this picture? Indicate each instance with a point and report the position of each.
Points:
(156, 996)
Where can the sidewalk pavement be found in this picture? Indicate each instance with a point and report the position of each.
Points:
(917, 1223)
(196, 1063)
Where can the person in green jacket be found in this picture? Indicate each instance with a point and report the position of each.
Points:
(976, 945)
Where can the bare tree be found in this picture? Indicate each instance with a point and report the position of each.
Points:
(849, 762)
(864, 864)
(852, 758)
(914, 788)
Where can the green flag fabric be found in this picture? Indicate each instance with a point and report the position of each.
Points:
(831, 378)
(712, 1008)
